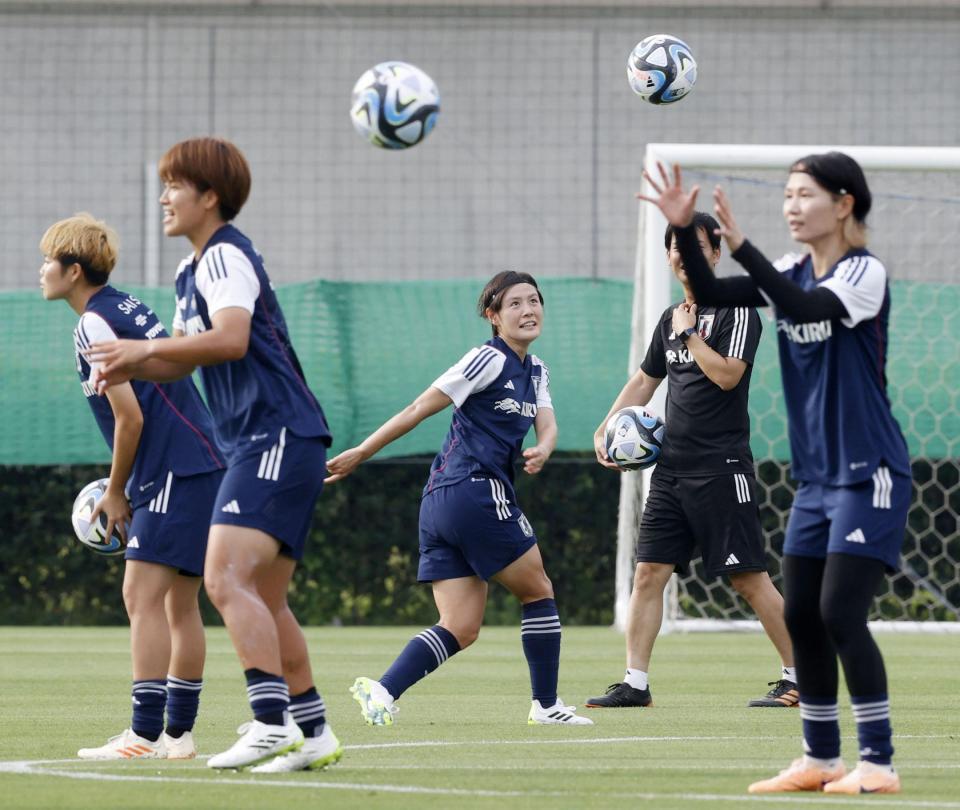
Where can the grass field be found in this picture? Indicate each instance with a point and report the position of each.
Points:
(461, 739)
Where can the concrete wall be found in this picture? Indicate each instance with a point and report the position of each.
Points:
(536, 155)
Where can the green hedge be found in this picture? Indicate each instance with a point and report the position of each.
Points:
(361, 562)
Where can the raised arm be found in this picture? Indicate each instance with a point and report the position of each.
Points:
(789, 298)
(678, 206)
(431, 401)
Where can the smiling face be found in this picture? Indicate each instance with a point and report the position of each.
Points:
(520, 316)
(185, 209)
(711, 254)
(813, 213)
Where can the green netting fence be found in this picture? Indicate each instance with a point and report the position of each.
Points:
(370, 348)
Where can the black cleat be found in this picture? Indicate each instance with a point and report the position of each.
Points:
(783, 695)
(620, 696)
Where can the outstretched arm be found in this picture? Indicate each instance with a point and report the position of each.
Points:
(792, 300)
(431, 401)
(678, 206)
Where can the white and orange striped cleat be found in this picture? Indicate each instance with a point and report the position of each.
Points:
(126, 746)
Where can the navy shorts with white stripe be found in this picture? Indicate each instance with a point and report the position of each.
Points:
(172, 527)
(866, 520)
(472, 528)
(274, 487)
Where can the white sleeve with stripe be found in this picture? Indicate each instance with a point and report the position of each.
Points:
(477, 369)
(543, 389)
(92, 328)
(860, 283)
(226, 278)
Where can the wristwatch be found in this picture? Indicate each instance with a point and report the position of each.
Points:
(685, 334)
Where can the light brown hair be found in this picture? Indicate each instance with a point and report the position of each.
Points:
(82, 239)
(210, 164)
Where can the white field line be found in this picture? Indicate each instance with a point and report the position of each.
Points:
(368, 787)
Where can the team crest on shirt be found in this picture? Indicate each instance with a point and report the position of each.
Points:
(705, 325)
(525, 526)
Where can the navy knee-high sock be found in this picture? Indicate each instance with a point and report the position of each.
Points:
(540, 636)
(423, 654)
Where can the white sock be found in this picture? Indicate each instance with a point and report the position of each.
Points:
(636, 678)
(822, 764)
(789, 674)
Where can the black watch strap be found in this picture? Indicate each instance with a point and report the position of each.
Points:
(686, 333)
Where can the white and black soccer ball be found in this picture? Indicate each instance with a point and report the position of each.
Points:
(395, 105)
(661, 69)
(93, 534)
(633, 438)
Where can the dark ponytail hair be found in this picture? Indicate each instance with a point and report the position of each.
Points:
(492, 295)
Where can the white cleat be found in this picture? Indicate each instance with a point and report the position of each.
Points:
(316, 754)
(558, 714)
(376, 703)
(181, 747)
(126, 745)
(258, 742)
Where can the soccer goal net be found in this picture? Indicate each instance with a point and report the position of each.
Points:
(913, 229)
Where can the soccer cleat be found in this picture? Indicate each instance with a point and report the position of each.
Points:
(799, 776)
(376, 704)
(126, 746)
(181, 747)
(866, 778)
(620, 696)
(784, 693)
(315, 755)
(258, 742)
(558, 714)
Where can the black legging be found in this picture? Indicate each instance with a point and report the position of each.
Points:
(825, 607)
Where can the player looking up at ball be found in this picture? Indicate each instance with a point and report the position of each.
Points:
(703, 490)
(832, 306)
(471, 528)
(273, 433)
(164, 474)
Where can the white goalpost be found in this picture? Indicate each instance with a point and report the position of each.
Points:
(917, 202)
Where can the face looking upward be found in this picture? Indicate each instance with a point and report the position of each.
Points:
(520, 317)
(813, 213)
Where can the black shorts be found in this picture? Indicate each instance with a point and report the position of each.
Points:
(719, 514)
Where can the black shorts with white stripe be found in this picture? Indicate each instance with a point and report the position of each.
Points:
(717, 514)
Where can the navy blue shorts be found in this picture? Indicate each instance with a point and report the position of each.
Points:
(718, 513)
(172, 528)
(471, 529)
(274, 489)
(865, 520)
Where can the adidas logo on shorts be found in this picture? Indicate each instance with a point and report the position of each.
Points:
(233, 507)
(134, 543)
(856, 536)
(732, 560)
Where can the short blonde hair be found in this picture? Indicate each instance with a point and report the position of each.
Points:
(82, 239)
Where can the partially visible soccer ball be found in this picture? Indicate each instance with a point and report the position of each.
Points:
(633, 437)
(94, 534)
(661, 69)
(395, 105)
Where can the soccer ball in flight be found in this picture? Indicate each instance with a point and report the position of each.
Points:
(395, 105)
(661, 69)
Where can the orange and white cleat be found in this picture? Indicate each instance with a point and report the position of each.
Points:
(126, 746)
(799, 776)
(866, 778)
